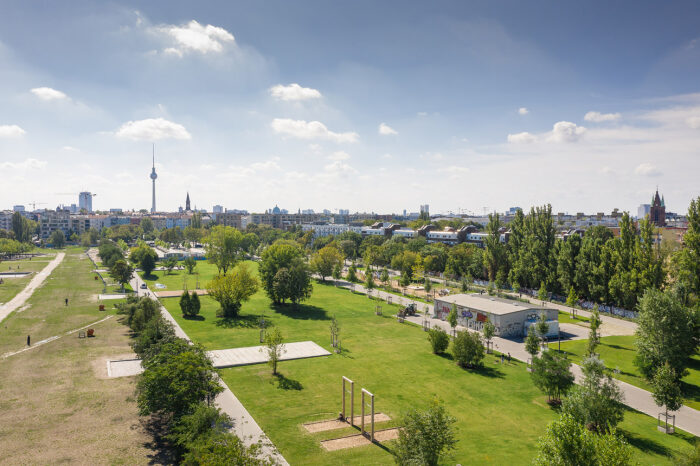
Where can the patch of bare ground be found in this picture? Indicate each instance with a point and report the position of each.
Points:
(359, 440)
(322, 426)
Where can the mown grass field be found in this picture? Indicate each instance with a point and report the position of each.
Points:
(618, 353)
(57, 404)
(11, 286)
(500, 414)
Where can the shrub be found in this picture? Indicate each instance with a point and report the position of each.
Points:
(195, 304)
(425, 436)
(438, 340)
(185, 305)
(467, 349)
(155, 330)
(551, 374)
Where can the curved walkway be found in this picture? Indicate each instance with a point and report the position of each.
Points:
(245, 426)
(28, 290)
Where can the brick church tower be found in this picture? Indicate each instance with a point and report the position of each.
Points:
(657, 212)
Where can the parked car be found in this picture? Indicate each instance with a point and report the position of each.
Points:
(143, 286)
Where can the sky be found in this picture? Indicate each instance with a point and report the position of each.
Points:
(468, 106)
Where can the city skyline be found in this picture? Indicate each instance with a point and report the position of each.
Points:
(458, 106)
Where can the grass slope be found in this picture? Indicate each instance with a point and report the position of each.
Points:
(11, 286)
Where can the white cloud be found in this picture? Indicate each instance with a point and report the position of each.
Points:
(11, 131)
(47, 93)
(28, 164)
(152, 129)
(267, 165)
(338, 167)
(386, 130)
(523, 111)
(310, 130)
(434, 156)
(339, 155)
(521, 138)
(693, 122)
(647, 169)
(194, 37)
(565, 131)
(294, 92)
(598, 117)
(387, 156)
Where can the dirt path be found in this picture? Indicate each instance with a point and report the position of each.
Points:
(35, 283)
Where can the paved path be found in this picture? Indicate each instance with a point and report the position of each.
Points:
(687, 418)
(28, 290)
(245, 426)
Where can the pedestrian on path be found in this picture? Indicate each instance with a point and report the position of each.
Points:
(28, 341)
(501, 358)
(508, 358)
(66, 301)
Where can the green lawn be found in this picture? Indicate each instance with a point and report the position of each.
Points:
(11, 286)
(566, 318)
(618, 352)
(500, 413)
(175, 280)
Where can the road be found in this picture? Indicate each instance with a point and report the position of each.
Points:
(28, 290)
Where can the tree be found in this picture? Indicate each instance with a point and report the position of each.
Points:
(667, 332)
(428, 285)
(369, 280)
(175, 379)
(189, 264)
(532, 343)
(293, 283)
(666, 390)
(195, 304)
(568, 443)
(223, 247)
(169, 264)
(352, 274)
(147, 225)
(155, 330)
(452, 317)
(274, 347)
(145, 257)
(233, 289)
(425, 436)
(542, 293)
(384, 277)
(686, 261)
(571, 299)
(338, 271)
(467, 349)
(597, 401)
(489, 332)
(185, 304)
(224, 448)
(465, 285)
(495, 257)
(593, 337)
(121, 272)
(281, 254)
(57, 239)
(203, 422)
(551, 374)
(439, 340)
(405, 279)
(542, 328)
(326, 260)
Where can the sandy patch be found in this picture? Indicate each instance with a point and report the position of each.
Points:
(333, 424)
(358, 440)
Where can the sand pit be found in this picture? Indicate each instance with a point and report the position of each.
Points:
(321, 426)
(358, 440)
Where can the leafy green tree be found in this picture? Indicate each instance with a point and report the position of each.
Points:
(338, 272)
(532, 343)
(405, 279)
(195, 304)
(542, 328)
(223, 247)
(175, 379)
(369, 281)
(542, 293)
(326, 260)
(496, 257)
(138, 311)
(293, 283)
(428, 285)
(384, 277)
(147, 225)
(686, 261)
(571, 299)
(224, 448)
(439, 340)
(57, 239)
(568, 443)
(452, 317)
(593, 337)
(552, 375)
(426, 436)
(468, 349)
(465, 285)
(145, 257)
(172, 235)
(190, 263)
(121, 272)
(667, 331)
(274, 347)
(185, 304)
(597, 401)
(233, 289)
(489, 331)
(352, 274)
(204, 422)
(666, 390)
(155, 330)
(169, 264)
(279, 255)
(566, 263)
(688, 458)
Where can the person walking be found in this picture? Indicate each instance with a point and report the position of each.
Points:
(508, 358)
(28, 341)
(501, 358)
(66, 301)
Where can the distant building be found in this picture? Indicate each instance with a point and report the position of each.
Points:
(85, 201)
(513, 210)
(18, 208)
(657, 211)
(187, 203)
(218, 209)
(425, 208)
(343, 211)
(643, 210)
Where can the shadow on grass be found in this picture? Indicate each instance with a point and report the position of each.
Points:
(301, 311)
(162, 451)
(197, 317)
(647, 445)
(617, 347)
(151, 276)
(287, 384)
(245, 321)
(486, 371)
(447, 356)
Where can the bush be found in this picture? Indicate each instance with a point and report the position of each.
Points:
(551, 374)
(467, 349)
(425, 436)
(204, 421)
(185, 305)
(232, 289)
(195, 304)
(155, 330)
(438, 340)
(138, 312)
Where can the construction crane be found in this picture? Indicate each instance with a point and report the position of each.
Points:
(34, 204)
(72, 194)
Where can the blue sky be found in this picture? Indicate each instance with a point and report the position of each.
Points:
(371, 106)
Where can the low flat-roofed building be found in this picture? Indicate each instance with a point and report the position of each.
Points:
(511, 318)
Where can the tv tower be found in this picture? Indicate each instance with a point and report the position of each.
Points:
(153, 177)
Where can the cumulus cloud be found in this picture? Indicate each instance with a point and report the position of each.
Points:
(647, 169)
(28, 164)
(386, 130)
(194, 37)
(152, 129)
(338, 167)
(565, 131)
(523, 111)
(693, 122)
(47, 93)
(597, 117)
(11, 131)
(267, 165)
(294, 92)
(521, 138)
(339, 155)
(310, 130)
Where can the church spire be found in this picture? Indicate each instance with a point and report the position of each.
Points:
(187, 202)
